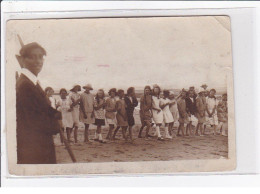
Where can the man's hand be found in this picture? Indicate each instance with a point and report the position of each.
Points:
(85, 116)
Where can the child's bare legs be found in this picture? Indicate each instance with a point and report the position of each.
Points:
(140, 131)
(148, 126)
(109, 134)
(124, 132)
(188, 129)
(86, 137)
(197, 129)
(201, 129)
(99, 133)
(178, 131)
(68, 131)
(204, 129)
(214, 130)
(182, 129)
(115, 132)
(76, 134)
(61, 135)
(130, 133)
(170, 127)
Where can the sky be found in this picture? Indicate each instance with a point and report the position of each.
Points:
(174, 52)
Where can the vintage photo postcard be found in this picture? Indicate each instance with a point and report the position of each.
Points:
(119, 95)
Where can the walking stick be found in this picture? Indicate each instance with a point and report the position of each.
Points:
(67, 146)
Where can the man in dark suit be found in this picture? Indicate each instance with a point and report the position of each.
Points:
(37, 121)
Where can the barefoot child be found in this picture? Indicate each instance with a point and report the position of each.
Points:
(145, 111)
(87, 110)
(167, 115)
(111, 112)
(222, 112)
(99, 106)
(183, 115)
(121, 115)
(201, 109)
(174, 111)
(157, 111)
(131, 103)
(64, 106)
(75, 98)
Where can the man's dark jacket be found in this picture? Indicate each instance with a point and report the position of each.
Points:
(37, 122)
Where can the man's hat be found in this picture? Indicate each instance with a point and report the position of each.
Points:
(204, 86)
(88, 86)
(73, 88)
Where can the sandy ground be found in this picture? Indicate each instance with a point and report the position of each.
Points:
(179, 148)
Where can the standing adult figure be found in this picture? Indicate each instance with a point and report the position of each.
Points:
(37, 121)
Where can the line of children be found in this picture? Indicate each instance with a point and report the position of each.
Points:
(188, 108)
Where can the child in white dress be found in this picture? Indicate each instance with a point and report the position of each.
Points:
(157, 111)
(211, 110)
(174, 111)
(64, 106)
(167, 115)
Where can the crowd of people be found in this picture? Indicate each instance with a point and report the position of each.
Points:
(157, 108)
(40, 116)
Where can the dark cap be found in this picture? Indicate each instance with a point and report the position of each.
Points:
(112, 90)
(26, 49)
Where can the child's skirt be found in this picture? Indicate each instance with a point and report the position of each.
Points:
(100, 122)
(75, 116)
(67, 120)
(175, 115)
(120, 121)
(157, 117)
(167, 116)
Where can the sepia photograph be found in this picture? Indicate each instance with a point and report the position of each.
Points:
(120, 95)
